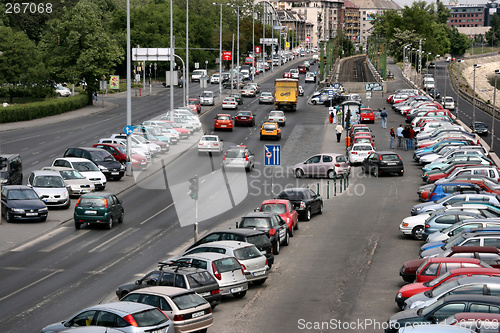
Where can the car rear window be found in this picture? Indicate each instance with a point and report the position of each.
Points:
(291, 195)
(223, 118)
(235, 154)
(91, 202)
(359, 148)
(188, 301)
(227, 264)
(248, 252)
(275, 208)
(150, 317)
(259, 240)
(390, 157)
(200, 279)
(269, 127)
(255, 222)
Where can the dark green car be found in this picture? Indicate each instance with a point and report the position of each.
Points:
(237, 97)
(99, 209)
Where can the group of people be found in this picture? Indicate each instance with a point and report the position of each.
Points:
(405, 136)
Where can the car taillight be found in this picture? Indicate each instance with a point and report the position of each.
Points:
(246, 157)
(302, 204)
(337, 165)
(399, 156)
(215, 291)
(354, 152)
(216, 144)
(105, 203)
(427, 226)
(267, 263)
(224, 158)
(370, 152)
(76, 205)
(178, 317)
(244, 267)
(272, 232)
(217, 275)
(380, 157)
(129, 319)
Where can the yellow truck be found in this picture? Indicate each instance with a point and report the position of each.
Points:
(286, 94)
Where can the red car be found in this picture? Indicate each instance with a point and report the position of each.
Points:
(420, 287)
(434, 267)
(223, 121)
(119, 152)
(285, 209)
(432, 177)
(409, 269)
(246, 118)
(195, 105)
(366, 115)
(287, 75)
(302, 69)
(183, 132)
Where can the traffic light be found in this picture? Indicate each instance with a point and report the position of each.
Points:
(194, 187)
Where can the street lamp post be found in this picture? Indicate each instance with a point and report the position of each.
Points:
(458, 88)
(238, 46)
(474, 101)
(253, 42)
(220, 46)
(493, 112)
(186, 71)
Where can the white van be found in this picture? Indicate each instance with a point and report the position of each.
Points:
(197, 74)
(428, 83)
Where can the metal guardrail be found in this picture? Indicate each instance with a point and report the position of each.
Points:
(328, 188)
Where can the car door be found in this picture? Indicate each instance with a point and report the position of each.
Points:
(280, 225)
(445, 311)
(311, 165)
(314, 200)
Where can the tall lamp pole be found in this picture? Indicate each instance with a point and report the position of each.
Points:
(238, 46)
(253, 42)
(220, 46)
(186, 72)
(474, 101)
(458, 90)
(494, 111)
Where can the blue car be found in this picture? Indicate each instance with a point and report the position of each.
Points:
(435, 147)
(439, 191)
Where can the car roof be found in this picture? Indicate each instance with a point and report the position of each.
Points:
(211, 256)
(240, 231)
(17, 187)
(275, 201)
(474, 270)
(478, 279)
(46, 173)
(228, 244)
(96, 195)
(162, 290)
(260, 214)
(58, 169)
(472, 298)
(74, 159)
(453, 259)
(123, 308)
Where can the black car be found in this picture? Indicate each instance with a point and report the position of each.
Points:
(434, 93)
(11, 169)
(305, 201)
(172, 275)
(442, 309)
(272, 224)
(480, 128)
(382, 162)
(108, 165)
(21, 203)
(255, 237)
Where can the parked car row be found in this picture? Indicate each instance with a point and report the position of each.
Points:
(456, 279)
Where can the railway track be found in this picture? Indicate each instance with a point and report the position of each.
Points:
(355, 70)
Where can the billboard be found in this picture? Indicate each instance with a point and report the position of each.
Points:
(370, 15)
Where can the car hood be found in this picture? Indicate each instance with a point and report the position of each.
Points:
(426, 205)
(109, 164)
(417, 219)
(411, 266)
(26, 204)
(432, 252)
(431, 245)
(412, 289)
(93, 174)
(50, 191)
(406, 314)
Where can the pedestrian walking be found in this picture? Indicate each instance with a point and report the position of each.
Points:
(393, 136)
(383, 115)
(399, 134)
(338, 130)
(331, 114)
(412, 136)
(406, 136)
(339, 115)
(348, 120)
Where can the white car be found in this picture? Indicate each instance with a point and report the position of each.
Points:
(214, 78)
(359, 152)
(277, 117)
(76, 183)
(310, 77)
(266, 97)
(229, 103)
(85, 167)
(207, 98)
(50, 187)
(448, 103)
(295, 73)
(62, 91)
(210, 144)
(249, 91)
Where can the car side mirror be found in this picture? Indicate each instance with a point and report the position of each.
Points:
(432, 319)
(450, 233)
(138, 282)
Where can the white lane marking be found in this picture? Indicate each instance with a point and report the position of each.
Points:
(161, 211)
(64, 241)
(108, 242)
(31, 284)
(38, 240)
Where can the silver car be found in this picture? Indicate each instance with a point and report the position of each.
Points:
(226, 269)
(253, 261)
(239, 157)
(277, 117)
(210, 143)
(128, 317)
(266, 98)
(323, 165)
(50, 187)
(76, 183)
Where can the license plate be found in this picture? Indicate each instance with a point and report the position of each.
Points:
(392, 163)
(223, 126)
(50, 200)
(162, 330)
(269, 131)
(31, 214)
(198, 314)
(91, 212)
(259, 273)
(205, 294)
(243, 117)
(236, 290)
(115, 173)
(366, 118)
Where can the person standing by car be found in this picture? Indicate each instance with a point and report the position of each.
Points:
(393, 136)
(406, 136)
(383, 115)
(399, 133)
(412, 136)
(339, 129)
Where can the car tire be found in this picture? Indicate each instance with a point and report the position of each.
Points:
(290, 232)
(417, 232)
(299, 173)
(259, 282)
(109, 225)
(66, 206)
(296, 226)
(276, 248)
(314, 102)
(363, 169)
(320, 209)
(287, 238)
(78, 225)
(8, 217)
(375, 172)
(241, 294)
(331, 174)
(120, 219)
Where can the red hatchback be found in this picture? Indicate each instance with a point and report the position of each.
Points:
(223, 121)
(302, 69)
(434, 267)
(367, 115)
(285, 209)
(119, 152)
(195, 105)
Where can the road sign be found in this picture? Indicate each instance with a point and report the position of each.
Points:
(272, 155)
(196, 65)
(227, 55)
(257, 50)
(128, 130)
(368, 94)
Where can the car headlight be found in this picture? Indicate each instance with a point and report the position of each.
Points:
(103, 168)
(419, 209)
(43, 210)
(400, 295)
(416, 304)
(17, 210)
(122, 167)
(133, 161)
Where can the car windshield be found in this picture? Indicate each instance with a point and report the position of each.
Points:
(227, 264)
(85, 166)
(248, 252)
(48, 182)
(437, 280)
(100, 156)
(275, 208)
(254, 222)
(443, 288)
(193, 102)
(92, 202)
(71, 174)
(206, 95)
(188, 301)
(149, 317)
(22, 194)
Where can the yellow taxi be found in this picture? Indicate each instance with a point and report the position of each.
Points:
(270, 130)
